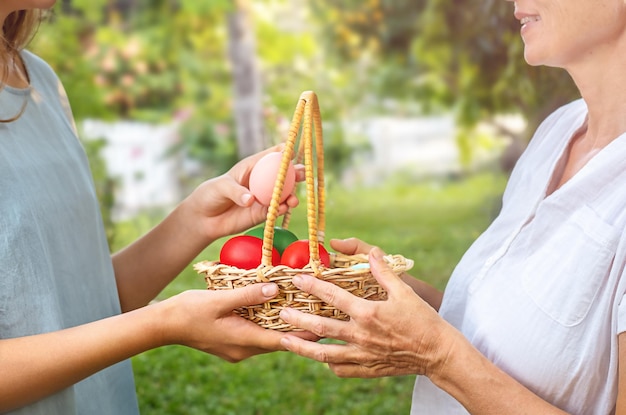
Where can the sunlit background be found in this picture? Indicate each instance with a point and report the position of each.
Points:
(426, 106)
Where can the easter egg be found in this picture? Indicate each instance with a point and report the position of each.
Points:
(297, 256)
(282, 237)
(362, 265)
(245, 252)
(263, 178)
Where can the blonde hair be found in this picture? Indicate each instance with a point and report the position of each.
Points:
(18, 29)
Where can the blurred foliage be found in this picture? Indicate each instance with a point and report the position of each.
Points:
(142, 62)
(167, 60)
(478, 67)
(104, 184)
(447, 55)
(375, 36)
(444, 219)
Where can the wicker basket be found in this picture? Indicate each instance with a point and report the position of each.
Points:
(351, 273)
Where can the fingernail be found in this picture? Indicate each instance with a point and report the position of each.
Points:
(377, 254)
(269, 290)
(285, 342)
(246, 198)
(285, 313)
(297, 281)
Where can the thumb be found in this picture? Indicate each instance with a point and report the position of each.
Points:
(234, 191)
(240, 194)
(383, 273)
(251, 295)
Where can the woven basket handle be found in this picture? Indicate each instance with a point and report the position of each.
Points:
(309, 108)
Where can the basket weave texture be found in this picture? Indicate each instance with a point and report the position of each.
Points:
(350, 272)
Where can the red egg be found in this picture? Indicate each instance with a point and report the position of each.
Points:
(263, 178)
(297, 256)
(245, 252)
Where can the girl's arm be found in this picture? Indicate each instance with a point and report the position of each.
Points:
(219, 207)
(36, 366)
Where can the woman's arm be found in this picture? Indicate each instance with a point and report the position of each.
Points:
(428, 293)
(480, 386)
(405, 335)
(37, 366)
(217, 208)
(621, 382)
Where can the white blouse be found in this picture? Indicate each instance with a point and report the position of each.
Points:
(540, 292)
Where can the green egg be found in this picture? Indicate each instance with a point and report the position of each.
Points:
(282, 237)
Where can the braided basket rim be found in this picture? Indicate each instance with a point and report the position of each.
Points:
(357, 280)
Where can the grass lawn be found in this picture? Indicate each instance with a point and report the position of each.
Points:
(430, 223)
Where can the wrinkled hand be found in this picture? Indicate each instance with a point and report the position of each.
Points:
(224, 206)
(204, 320)
(401, 335)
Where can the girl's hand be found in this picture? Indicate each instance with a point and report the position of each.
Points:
(204, 320)
(224, 205)
(219, 207)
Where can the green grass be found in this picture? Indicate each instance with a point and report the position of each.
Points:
(432, 223)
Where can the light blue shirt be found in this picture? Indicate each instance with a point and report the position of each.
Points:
(55, 266)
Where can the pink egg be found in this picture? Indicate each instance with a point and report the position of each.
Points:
(263, 178)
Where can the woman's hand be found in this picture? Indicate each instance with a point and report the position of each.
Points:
(404, 335)
(401, 335)
(427, 292)
(204, 320)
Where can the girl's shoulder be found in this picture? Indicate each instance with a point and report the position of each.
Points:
(38, 69)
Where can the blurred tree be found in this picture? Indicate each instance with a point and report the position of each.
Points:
(472, 61)
(372, 40)
(247, 88)
(352, 27)
(104, 184)
(447, 55)
(169, 59)
(293, 59)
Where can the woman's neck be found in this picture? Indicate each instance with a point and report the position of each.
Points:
(602, 85)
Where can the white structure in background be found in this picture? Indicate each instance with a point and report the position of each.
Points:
(136, 156)
(423, 146)
(417, 146)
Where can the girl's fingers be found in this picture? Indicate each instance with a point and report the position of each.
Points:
(251, 295)
(300, 173)
(240, 195)
(241, 171)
